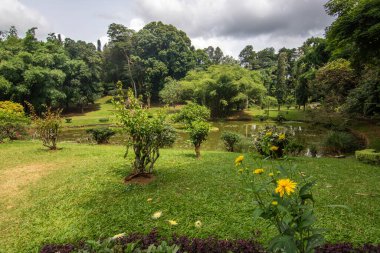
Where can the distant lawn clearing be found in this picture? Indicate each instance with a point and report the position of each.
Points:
(78, 193)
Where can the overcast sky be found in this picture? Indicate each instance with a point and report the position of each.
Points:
(229, 24)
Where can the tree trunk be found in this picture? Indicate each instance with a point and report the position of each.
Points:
(279, 107)
(198, 151)
(148, 101)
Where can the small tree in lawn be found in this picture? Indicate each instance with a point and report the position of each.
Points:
(198, 134)
(48, 126)
(147, 133)
(195, 117)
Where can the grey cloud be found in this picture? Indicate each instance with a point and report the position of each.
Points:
(241, 19)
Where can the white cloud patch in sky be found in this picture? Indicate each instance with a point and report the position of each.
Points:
(14, 13)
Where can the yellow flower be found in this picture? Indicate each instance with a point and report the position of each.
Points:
(258, 171)
(157, 215)
(281, 137)
(273, 148)
(172, 222)
(239, 159)
(149, 200)
(285, 186)
(275, 203)
(271, 174)
(240, 171)
(268, 134)
(198, 224)
(118, 236)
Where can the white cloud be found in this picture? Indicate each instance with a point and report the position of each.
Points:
(14, 13)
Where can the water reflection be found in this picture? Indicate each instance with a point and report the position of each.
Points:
(302, 131)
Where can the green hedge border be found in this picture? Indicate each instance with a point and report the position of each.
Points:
(368, 155)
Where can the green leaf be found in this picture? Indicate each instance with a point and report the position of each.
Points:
(283, 171)
(307, 196)
(257, 212)
(283, 243)
(306, 187)
(314, 241)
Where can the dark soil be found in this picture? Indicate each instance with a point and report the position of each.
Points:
(142, 179)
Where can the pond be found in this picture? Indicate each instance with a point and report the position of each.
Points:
(304, 132)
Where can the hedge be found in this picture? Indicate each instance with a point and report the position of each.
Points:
(368, 155)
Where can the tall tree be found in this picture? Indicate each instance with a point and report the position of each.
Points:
(99, 46)
(281, 78)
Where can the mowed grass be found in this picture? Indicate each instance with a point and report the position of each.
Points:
(78, 193)
(104, 110)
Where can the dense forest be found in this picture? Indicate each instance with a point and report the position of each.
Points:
(339, 72)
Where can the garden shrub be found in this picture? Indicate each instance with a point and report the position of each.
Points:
(102, 120)
(313, 150)
(283, 197)
(68, 120)
(47, 126)
(368, 156)
(294, 147)
(198, 134)
(263, 118)
(146, 132)
(13, 121)
(101, 135)
(195, 117)
(271, 143)
(338, 142)
(230, 140)
(280, 118)
(169, 135)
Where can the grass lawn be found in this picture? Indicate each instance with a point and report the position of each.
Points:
(104, 110)
(78, 193)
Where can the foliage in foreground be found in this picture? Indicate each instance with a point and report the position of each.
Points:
(283, 197)
(155, 241)
(186, 244)
(146, 133)
(13, 121)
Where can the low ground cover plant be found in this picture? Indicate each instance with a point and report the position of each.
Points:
(141, 243)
